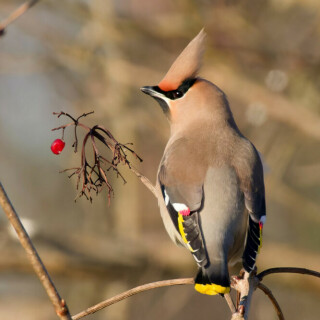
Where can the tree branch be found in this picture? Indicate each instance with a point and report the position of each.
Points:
(275, 303)
(264, 273)
(33, 256)
(230, 303)
(145, 181)
(245, 284)
(131, 292)
(16, 14)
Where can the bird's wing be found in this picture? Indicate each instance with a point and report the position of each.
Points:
(253, 245)
(250, 172)
(183, 202)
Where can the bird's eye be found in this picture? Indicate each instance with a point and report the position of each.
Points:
(177, 94)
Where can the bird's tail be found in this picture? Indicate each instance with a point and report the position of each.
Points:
(212, 281)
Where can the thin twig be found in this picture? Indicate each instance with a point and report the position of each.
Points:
(245, 285)
(230, 303)
(131, 292)
(33, 256)
(264, 273)
(145, 181)
(16, 14)
(92, 174)
(275, 303)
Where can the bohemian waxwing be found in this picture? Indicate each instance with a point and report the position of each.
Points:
(210, 175)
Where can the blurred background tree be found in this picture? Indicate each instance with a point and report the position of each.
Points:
(83, 55)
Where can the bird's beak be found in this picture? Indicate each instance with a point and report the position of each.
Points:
(149, 91)
(155, 92)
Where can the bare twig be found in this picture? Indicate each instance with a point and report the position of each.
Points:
(92, 175)
(142, 288)
(145, 181)
(230, 303)
(16, 14)
(245, 284)
(275, 303)
(264, 273)
(131, 292)
(38, 266)
(246, 289)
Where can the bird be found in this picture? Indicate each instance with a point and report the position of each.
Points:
(210, 177)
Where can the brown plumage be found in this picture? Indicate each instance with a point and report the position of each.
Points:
(186, 66)
(210, 175)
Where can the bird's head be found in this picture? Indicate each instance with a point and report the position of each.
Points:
(187, 99)
(181, 77)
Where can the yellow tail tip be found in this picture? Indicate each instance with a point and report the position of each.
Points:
(211, 289)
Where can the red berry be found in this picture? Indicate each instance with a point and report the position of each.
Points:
(57, 146)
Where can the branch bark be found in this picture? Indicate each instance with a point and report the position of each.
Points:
(145, 181)
(33, 256)
(230, 303)
(264, 273)
(245, 284)
(131, 292)
(274, 301)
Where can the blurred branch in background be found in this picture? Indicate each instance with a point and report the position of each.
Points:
(16, 14)
(275, 105)
(264, 55)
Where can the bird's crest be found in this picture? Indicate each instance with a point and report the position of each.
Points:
(186, 65)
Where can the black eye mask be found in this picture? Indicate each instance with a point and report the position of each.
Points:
(179, 92)
(159, 95)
